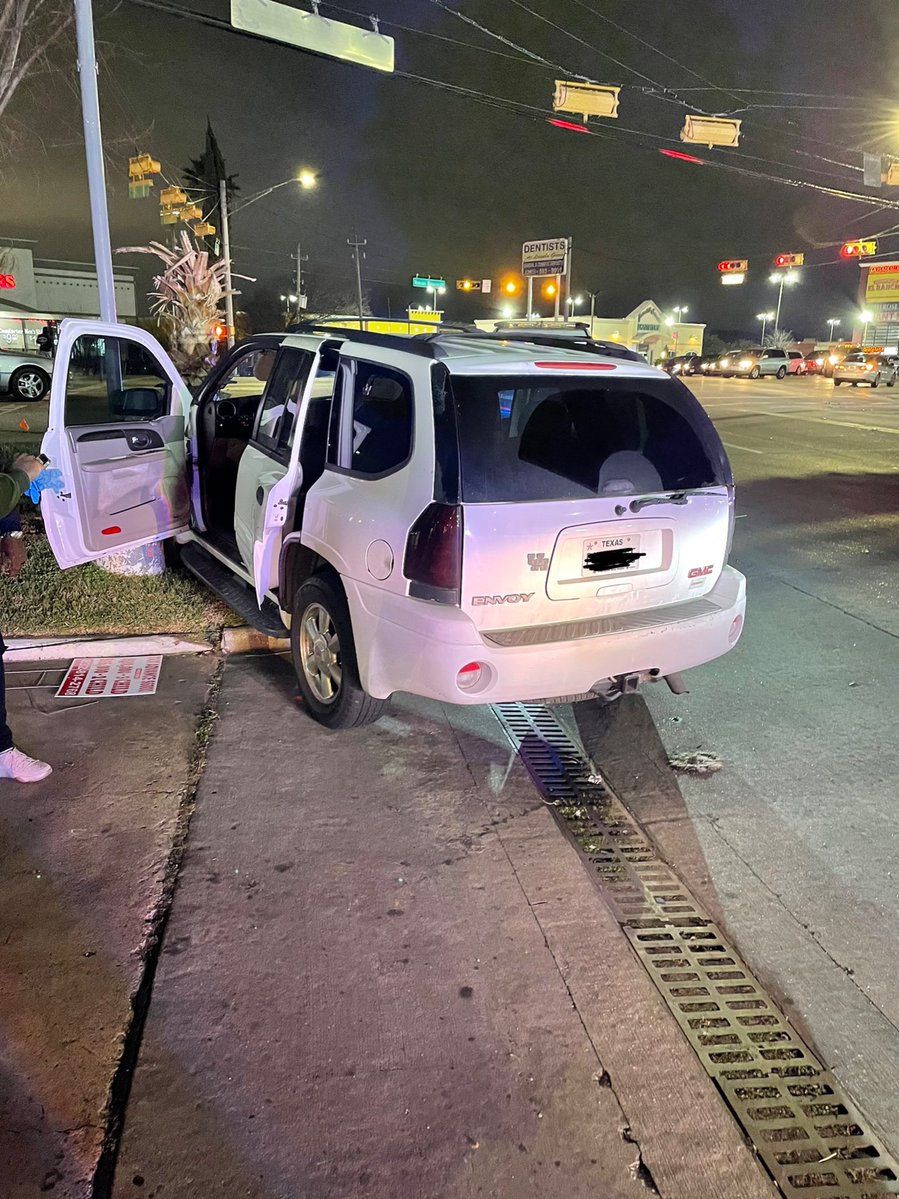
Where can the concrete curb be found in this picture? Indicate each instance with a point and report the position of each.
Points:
(49, 649)
(240, 640)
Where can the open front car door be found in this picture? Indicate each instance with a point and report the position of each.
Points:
(116, 432)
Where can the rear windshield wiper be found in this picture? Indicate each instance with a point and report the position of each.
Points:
(673, 497)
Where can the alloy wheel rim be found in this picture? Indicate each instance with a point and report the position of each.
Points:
(30, 386)
(320, 653)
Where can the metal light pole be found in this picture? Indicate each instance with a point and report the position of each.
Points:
(782, 278)
(764, 317)
(226, 252)
(832, 321)
(867, 318)
(93, 150)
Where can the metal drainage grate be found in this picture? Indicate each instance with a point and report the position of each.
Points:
(806, 1130)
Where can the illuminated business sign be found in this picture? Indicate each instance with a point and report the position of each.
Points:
(882, 286)
(7, 282)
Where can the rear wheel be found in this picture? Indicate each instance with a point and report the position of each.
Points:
(837, 382)
(781, 372)
(754, 373)
(29, 383)
(324, 657)
(875, 382)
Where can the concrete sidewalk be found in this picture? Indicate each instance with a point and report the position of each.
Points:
(387, 974)
(82, 864)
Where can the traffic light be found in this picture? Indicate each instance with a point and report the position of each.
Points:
(510, 286)
(140, 167)
(858, 249)
(219, 332)
(468, 285)
(789, 260)
(549, 290)
(733, 264)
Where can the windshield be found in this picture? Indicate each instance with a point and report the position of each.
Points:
(563, 438)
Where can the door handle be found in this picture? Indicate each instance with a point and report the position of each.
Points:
(260, 495)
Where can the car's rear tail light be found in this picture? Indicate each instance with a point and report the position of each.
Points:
(433, 561)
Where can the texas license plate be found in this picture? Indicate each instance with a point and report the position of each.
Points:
(607, 548)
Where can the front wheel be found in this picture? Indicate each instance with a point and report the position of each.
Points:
(324, 657)
(29, 383)
(875, 382)
(781, 372)
(754, 373)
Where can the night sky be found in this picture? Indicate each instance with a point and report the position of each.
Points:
(444, 185)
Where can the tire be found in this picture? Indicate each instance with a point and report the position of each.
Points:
(781, 372)
(29, 383)
(755, 372)
(321, 645)
(875, 382)
(892, 382)
(837, 382)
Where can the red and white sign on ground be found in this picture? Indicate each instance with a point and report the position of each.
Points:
(102, 678)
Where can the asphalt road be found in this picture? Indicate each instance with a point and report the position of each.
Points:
(795, 841)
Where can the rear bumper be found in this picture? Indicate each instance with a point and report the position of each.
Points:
(410, 645)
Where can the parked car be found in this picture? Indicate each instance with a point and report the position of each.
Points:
(722, 364)
(25, 376)
(872, 369)
(755, 362)
(682, 364)
(466, 519)
(812, 364)
(795, 362)
(833, 356)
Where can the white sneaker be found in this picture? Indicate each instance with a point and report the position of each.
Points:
(18, 766)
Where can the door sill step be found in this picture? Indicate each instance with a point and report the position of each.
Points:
(236, 594)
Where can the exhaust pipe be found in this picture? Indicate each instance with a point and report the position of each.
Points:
(676, 684)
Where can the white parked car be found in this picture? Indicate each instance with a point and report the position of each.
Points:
(462, 518)
(25, 376)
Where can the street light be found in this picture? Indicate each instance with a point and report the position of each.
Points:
(832, 321)
(507, 313)
(764, 317)
(867, 317)
(306, 178)
(784, 279)
(679, 310)
(573, 301)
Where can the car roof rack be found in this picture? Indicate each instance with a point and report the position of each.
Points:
(396, 341)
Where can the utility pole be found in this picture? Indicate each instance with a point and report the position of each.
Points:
(93, 149)
(568, 305)
(299, 276)
(357, 247)
(226, 250)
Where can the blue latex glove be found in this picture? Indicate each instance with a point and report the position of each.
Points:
(48, 479)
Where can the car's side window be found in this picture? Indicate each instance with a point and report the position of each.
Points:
(278, 412)
(111, 379)
(381, 419)
(246, 377)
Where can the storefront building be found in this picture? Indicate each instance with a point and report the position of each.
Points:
(879, 295)
(33, 291)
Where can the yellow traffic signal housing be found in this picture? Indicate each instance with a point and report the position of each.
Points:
(891, 179)
(586, 99)
(204, 229)
(711, 131)
(142, 164)
(192, 212)
(170, 196)
(168, 217)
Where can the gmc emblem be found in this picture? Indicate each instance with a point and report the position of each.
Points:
(699, 572)
(520, 597)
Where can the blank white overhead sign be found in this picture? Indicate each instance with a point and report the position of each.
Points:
(318, 35)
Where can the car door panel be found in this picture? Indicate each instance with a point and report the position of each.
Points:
(116, 433)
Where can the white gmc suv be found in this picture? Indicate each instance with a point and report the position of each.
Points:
(456, 516)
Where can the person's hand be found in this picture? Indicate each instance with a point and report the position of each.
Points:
(30, 465)
(12, 555)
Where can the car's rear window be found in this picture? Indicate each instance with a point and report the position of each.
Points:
(559, 438)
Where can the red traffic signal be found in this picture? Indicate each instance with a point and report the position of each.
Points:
(789, 260)
(219, 332)
(733, 264)
(858, 249)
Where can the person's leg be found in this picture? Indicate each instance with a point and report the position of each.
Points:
(13, 763)
(6, 741)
